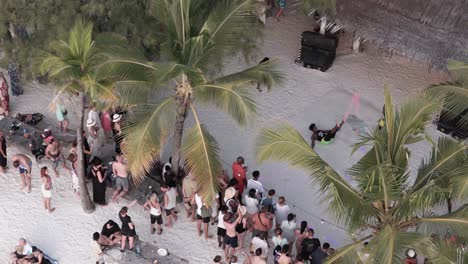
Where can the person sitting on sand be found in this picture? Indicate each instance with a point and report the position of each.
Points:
(24, 164)
(38, 257)
(110, 234)
(120, 172)
(23, 252)
(324, 136)
(97, 248)
(54, 152)
(155, 208)
(217, 259)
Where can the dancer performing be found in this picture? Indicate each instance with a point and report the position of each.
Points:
(324, 136)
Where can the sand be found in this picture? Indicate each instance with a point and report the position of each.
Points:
(306, 96)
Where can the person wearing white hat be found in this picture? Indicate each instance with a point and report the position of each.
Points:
(117, 130)
(229, 200)
(93, 139)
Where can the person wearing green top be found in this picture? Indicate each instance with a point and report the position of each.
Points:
(62, 118)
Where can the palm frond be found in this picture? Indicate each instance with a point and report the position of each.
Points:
(455, 223)
(448, 161)
(142, 144)
(286, 144)
(454, 95)
(322, 6)
(202, 159)
(348, 254)
(389, 245)
(229, 26)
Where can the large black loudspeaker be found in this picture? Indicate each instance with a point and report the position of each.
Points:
(318, 51)
(450, 126)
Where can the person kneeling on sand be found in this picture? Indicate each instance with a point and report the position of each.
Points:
(324, 136)
(24, 164)
(110, 234)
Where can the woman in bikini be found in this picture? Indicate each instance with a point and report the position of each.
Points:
(46, 189)
(155, 208)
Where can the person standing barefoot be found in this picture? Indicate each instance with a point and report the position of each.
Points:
(120, 171)
(155, 212)
(46, 189)
(128, 229)
(24, 164)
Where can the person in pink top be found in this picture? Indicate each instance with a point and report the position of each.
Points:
(106, 122)
(238, 173)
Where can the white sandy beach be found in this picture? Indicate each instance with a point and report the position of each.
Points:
(306, 96)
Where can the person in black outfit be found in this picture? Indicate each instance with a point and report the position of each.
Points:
(99, 186)
(317, 255)
(110, 234)
(308, 244)
(128, 229)
(3, 153)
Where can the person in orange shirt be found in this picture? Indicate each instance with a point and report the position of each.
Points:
(238, 173)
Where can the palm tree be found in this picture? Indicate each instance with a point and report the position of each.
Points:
(197, 38)
(72, 64)
(385, 206)
(455, 93)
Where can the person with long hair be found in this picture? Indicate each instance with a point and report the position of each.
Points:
(72, 158)
(99, 185)
(46, 189)
(155, 208)
(301, 233)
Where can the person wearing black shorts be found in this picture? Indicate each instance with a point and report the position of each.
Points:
(230, 240)
(323, 135)
(154, 206)
(128, 229)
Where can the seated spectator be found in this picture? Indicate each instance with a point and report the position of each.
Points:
(97, 248)
(38, 257)
(110, 234)
(23, 252)
(217, 260)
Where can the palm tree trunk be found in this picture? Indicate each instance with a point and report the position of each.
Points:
(449, 205)
(177, 136)
(86, 203)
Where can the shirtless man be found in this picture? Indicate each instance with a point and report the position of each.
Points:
(120, 171)
(230, 239)
(257, 259)
(24, 164)
(53, 152)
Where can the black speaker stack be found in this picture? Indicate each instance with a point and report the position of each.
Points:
(317, 51)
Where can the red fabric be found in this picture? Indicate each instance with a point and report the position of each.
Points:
(238, 173)
(411, 261)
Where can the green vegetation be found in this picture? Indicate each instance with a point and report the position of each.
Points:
(194, 46)
(386, 205)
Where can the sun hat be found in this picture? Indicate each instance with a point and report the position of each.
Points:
(229, 193)
(90, 123)
(116, 117)
(242, 209)
(162, 252)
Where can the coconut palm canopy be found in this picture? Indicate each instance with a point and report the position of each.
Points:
(387, 206)
(455, 93)
(196, 39)
(73, 65)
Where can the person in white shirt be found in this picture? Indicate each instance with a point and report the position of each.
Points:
(221, 229)
(289, 228)
(256, 184)
(282, 211)
(201, 219)
(260, 242)
(251, 203)
(23, 251)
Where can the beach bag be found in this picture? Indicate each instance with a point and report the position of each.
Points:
(206, 212)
